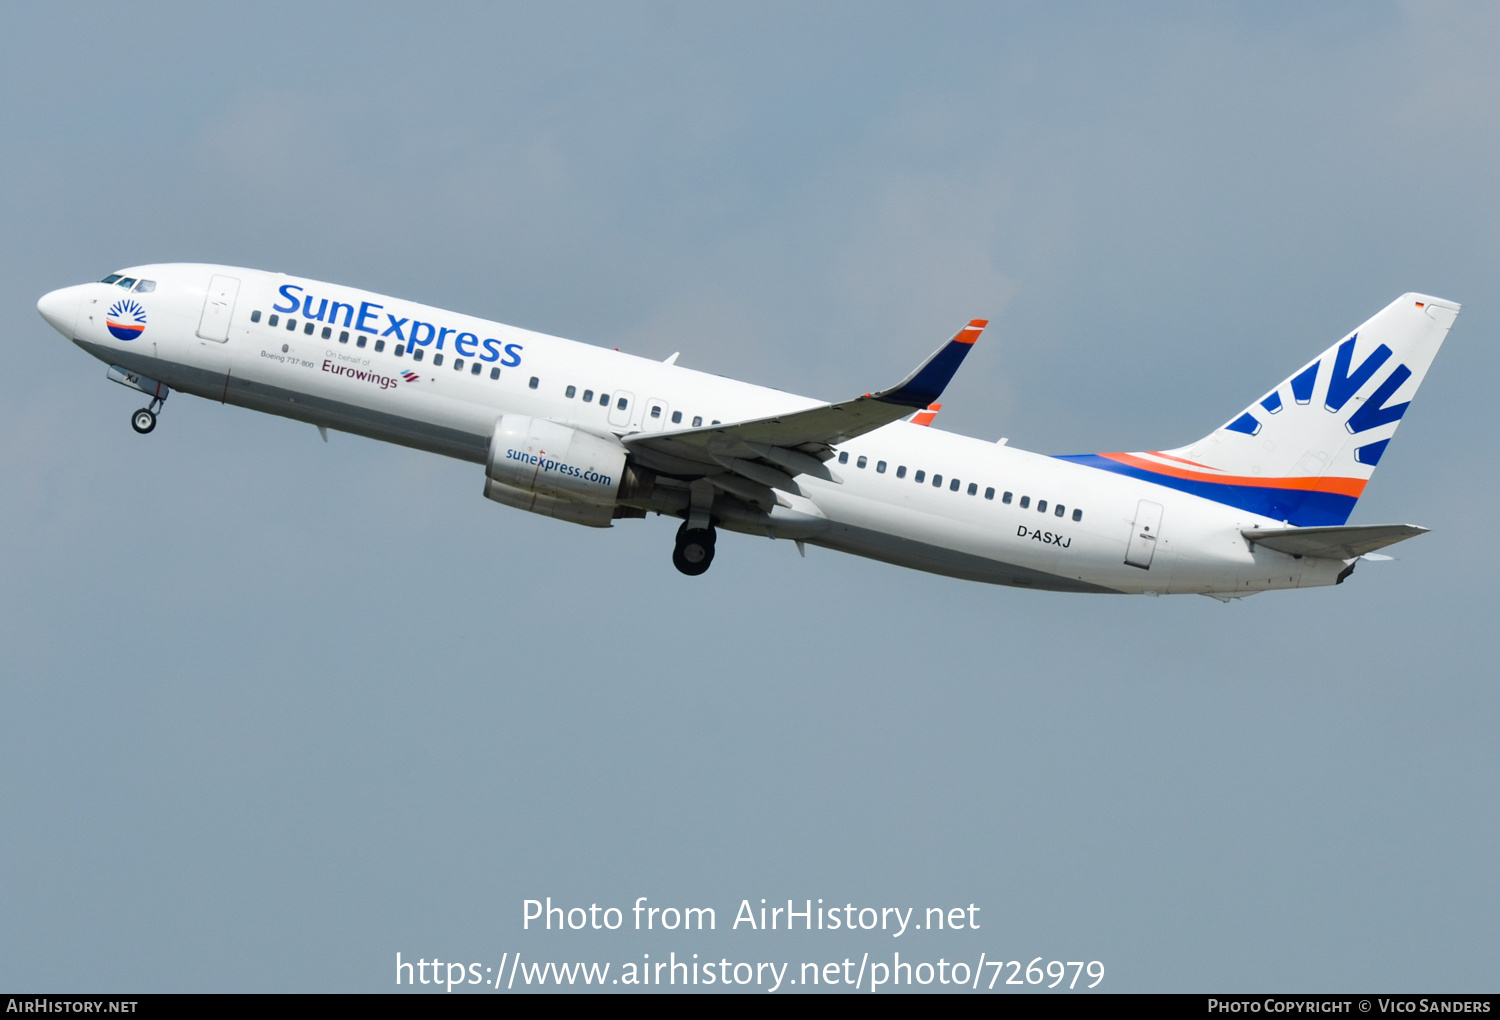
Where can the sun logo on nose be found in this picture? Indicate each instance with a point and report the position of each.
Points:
(126, 319)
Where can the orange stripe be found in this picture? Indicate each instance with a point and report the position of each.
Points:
(1342, 486)
(1158, 453)
(970, 333)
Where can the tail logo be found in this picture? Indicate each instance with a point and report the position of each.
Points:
(410, 376)
(1343, 384)
(126, 319)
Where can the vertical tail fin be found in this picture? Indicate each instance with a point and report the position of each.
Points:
(1304, 452)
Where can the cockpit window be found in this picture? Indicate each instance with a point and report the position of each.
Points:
(111, 278)
(127, 282)
(145, 287)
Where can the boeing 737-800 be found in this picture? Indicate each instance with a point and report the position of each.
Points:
(589, 436)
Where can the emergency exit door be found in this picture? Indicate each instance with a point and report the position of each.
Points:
(620, 410)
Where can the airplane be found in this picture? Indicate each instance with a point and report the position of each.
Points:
(589, 436)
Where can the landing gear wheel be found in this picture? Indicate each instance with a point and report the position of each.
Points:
(143, 421)
(694, 551)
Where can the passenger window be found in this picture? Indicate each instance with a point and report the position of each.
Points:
(901, 471)
(953, 485)
(880, 467)
(328, 332)
(307, 328)
(937, 481)
(989, 493)
(588, 396)
(1005, 498)
(494, 373)
(656, 410)
(273, 320)
(844, 457)
(1041, 506)
(973, 489)
(437, 359)
(127, 282)
(145, 287)
(1077, 514)
(111, 278)
(476, 369)
(255, 315)
(1059, 511)
(697, 421)
(570, 391)
(716, 421)
(291, 325)
(1025, 502)
(400, 349)
(416, 355)
(676, 417)
(343, 336)
(534, 382)
(379, 344)
(920, 477)
(458, 364)
(621, 404)
(861, 462)
(604, 400)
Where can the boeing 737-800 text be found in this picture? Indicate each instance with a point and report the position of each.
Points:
(589, 436)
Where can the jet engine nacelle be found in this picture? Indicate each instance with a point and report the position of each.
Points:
(555, 470)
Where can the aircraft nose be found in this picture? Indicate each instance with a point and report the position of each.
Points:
(60, 309)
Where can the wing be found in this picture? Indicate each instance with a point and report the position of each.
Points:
(769, 452)
(1338, 543)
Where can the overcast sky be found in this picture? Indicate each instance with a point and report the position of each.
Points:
(273, 710)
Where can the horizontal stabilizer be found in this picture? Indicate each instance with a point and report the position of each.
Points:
(1339, 543)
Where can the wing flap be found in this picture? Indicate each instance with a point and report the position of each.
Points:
(1337, 543)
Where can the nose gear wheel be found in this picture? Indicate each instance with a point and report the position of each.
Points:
(144, 420)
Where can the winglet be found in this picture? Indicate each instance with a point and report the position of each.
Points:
(925, 417)
(927, 383)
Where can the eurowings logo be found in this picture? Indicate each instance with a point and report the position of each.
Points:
(385, 382)
(126, 319)
(1343, 384)
(410, 376)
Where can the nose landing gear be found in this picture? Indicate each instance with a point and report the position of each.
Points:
(144, 420)
(695, 549)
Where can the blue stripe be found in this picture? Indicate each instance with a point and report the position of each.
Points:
(1301, 507)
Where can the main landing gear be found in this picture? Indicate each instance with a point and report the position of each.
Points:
(144, 420)
(695, 549)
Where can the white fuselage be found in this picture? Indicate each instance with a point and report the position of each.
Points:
(331, 358)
